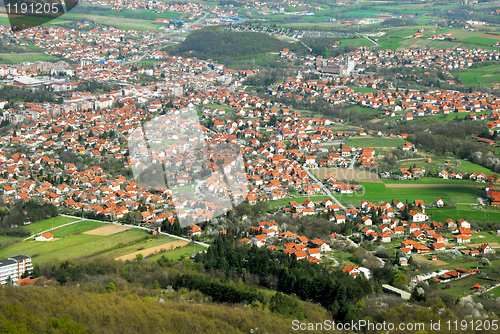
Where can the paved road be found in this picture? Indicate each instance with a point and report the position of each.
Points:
(325, 189)
(51, 229)
(331, 143)
(368, 38)
(337, 263)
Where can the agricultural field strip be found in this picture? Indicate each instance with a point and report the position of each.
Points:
(148, 251)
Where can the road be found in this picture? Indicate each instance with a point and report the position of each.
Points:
(50, 229)
(337, 263)
(324, 188)
(332, 143)
(368, 38)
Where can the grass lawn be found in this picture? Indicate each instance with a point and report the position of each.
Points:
(484, 215)
(178, 253)
(438, 164)
(356, 42)
(495, 292)
(486, 75)
(463, 286)
(47, 224)
(364, 89)
(119, 22)
(16, 58)
(378, 192)
(76, 228)
(376, 142)
(71, 247)
(433, 180)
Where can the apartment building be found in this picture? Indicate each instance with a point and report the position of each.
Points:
(14, 267)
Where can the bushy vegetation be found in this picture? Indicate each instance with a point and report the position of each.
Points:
(333, 289)
(19, 212)
(227, 46)
(15, 94)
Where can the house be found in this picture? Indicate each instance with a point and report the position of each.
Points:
(384, 237)
(403, 261)
(463, 223)
(443, 174)
(45, 237)
(439, 202)
(460, 239)
(417, 216)
(259, 240)
(487, 249)
(321, 245)
(195, 230)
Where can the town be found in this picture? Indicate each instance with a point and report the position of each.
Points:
(248, 142)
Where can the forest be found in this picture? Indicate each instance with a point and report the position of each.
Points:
(225, 293)
(333, 289)
(17, 213)
(229, 46)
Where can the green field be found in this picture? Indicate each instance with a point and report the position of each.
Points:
(432, 180)
(16, 58)
(75, 228)
(485, 76)
(481, 40)
(119, 22)
(495, 292)
(356, 42)
(463, 166)
(72, 247)
(376, 142)
(364, 89)
(47, 224)
(178, 253)
(378, 192)
(463, 286)
(484, 215)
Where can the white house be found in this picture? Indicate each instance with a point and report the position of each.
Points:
(417, 216)
(45, 237)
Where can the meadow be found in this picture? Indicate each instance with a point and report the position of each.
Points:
(47, 224)
(17, 58)
(378, 192)
(73, 246)
(119, 22)
(466, 212)
(463, 166)
(376, 142)
(463, 286)
(76, 228)
(485, 76)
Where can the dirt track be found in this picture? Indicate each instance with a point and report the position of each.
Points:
(108, 230)
(145, 252)
(420, 185)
